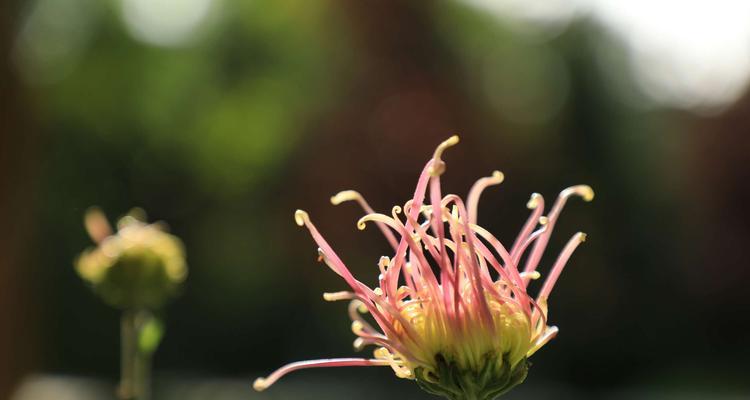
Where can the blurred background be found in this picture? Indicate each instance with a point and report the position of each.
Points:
(222, 117)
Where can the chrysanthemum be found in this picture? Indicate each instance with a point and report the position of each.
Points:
(451, 309)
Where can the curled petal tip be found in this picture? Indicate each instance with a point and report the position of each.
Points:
(260, 385)
(585, 191)
(438, 166)
(498, 177)
(357, 327)
(362, 223)
(346, 195)
(533, 201)
(301, 217)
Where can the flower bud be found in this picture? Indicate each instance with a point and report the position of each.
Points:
(139, 267)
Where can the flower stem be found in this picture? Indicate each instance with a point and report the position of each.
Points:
(135, 368)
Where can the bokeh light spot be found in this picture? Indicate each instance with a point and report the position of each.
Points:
(52, 39)
(693, 55)
(165, 22)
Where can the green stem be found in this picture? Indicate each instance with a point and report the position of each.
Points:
(135, 368)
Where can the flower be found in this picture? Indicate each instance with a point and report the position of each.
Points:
(139, 267)
(465, 328)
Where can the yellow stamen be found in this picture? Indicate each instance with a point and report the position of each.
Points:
(533, 201)
(497, 177)
(301, 217)
(357, 327)
(534, 275)
(260, 385)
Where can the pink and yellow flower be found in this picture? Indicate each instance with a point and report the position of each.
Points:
(451, 309)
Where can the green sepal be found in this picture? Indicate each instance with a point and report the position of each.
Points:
(494, 378)
(138, 279)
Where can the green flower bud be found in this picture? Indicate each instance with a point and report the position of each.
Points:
(139, 267)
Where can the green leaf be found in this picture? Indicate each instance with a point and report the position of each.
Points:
(150, 335)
